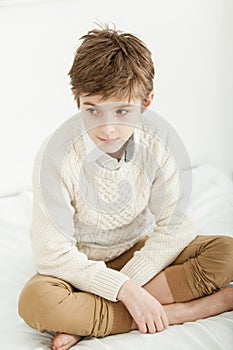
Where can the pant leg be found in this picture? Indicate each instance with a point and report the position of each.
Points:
(121, 260)
(52, 304)
(205, 266)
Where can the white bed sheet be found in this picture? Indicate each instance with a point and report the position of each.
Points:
(212, 202)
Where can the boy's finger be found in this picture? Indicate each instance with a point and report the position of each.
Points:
(159, 324)
(165, 319)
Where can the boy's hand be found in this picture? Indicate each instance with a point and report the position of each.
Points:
(146, 311)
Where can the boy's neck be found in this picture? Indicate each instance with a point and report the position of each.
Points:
(118, 154)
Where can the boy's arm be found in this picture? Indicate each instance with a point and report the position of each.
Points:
(175, 226)
(161, 249)
(56, 254)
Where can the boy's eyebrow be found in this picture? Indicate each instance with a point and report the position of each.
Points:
(120, 106)
(89, 104)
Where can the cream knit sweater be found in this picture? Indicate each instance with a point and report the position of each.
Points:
(108, 206)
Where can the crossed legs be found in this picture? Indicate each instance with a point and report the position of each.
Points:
(203, 268)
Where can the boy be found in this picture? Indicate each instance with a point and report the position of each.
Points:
(114, 245)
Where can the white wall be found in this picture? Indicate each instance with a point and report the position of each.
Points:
(191, 41)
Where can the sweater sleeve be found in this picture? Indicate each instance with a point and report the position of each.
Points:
(175, 223)
(55, 251)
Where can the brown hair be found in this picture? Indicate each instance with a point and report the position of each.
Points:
(111, 63)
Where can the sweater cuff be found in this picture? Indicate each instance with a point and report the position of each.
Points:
(107, 283)
(138, 270)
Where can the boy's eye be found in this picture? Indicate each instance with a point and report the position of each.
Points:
(92, 110)
(121, 112)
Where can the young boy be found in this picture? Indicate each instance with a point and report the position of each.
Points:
(114, 245)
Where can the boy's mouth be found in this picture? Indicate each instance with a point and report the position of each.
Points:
(107, 140)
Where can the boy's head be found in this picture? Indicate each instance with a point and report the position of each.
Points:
(112, 64)
(111, 69)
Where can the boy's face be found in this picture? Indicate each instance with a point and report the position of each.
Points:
(110, 123)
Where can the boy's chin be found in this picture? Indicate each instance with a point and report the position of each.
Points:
(109, 149)
(112, 148)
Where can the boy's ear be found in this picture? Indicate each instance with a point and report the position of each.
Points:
(149, 99)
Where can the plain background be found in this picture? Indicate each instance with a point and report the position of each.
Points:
(192, 46)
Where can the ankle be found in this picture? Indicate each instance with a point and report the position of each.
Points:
(227, 298)
(176, 312)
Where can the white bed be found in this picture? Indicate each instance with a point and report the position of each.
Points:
(212, 202)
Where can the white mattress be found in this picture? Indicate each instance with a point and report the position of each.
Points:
(212, 202)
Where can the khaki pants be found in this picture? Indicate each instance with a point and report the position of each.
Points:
(52, 304)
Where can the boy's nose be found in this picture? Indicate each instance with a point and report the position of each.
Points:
(107, 129)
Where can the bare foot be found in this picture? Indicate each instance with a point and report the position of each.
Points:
(64, 341)
(208, 306)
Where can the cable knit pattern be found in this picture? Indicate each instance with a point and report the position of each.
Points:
(108, 206)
